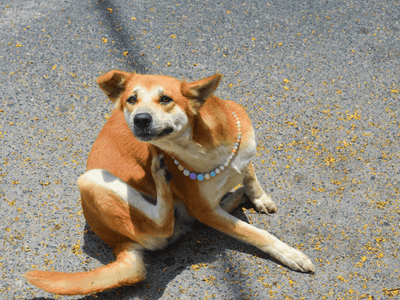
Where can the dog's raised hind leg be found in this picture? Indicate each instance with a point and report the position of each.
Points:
(118, 213)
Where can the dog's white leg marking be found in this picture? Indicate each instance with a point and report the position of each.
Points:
(128, 194)
(161, 213)
(255, 192)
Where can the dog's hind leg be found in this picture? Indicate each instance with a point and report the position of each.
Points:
(117, 213)
(123, 219)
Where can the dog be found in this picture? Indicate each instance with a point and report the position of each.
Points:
(132, 202)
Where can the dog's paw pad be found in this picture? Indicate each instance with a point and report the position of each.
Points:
(168, 176)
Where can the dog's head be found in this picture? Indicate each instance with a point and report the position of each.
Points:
(156, 107)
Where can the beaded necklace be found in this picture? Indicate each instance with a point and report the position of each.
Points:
(218, 170)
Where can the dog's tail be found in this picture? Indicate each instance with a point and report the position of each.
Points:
(127, 269)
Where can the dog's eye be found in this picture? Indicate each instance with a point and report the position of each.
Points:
(165, 99)
(132, 99)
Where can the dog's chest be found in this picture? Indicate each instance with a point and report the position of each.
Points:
(213, 190)
(192, 192)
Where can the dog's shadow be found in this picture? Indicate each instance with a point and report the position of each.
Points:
(200, 247)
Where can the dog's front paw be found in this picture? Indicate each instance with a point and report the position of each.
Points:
(293, 258)
(159, 169)
(264, 204)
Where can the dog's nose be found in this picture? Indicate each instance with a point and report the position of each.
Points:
(142, 120)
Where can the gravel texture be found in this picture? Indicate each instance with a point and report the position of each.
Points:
(320, 79)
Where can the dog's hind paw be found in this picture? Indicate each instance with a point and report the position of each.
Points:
(158, 169)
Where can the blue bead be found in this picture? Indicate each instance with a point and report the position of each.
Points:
(200, 177)
(212, 174)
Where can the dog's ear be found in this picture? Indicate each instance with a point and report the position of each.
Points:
(113, 83)
(199, 91)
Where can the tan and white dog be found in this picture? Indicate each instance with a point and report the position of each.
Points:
(132, 203)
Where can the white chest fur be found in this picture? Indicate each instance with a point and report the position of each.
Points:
(213, 189)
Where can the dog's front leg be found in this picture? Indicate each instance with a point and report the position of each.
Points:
(255, 192)
(221, 220)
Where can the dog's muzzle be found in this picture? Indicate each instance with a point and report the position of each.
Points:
(144, 130)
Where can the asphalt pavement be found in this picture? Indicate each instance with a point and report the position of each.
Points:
(319, 79)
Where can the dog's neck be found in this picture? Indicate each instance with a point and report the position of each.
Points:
(207, 142)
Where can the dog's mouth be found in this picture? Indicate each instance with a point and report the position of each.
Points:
(150, 135)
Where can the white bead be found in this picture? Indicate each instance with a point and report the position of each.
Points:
(221, 167)
(180, 168)
(207, 176)
(186, 172)
(176, 162)
(226, 164)
(217, 171)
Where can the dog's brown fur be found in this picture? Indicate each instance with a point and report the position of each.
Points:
(127, 196)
